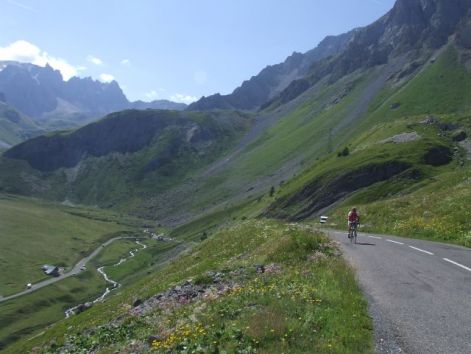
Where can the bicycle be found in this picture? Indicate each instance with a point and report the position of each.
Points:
(352, 232)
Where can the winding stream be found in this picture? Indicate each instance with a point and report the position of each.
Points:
(115, 284)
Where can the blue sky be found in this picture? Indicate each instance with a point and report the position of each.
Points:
(180, 49)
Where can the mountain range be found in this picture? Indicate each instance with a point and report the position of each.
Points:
(402, 30)
(341, 85)
(41, 94)
(274, 78)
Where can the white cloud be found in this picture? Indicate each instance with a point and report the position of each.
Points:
(152, 94)
(94, 60)
(26, 52)
(125, 62)
(200, 77)
(106, 77)
(178, 97)
(21, 5)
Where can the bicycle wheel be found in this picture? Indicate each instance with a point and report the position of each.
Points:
(355, 234)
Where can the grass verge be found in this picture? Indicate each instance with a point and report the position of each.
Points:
(438, 211)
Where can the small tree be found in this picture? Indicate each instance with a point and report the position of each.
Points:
(272, 191)
(345, 151)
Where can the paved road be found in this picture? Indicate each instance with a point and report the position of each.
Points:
(419, 292)
(75, 270)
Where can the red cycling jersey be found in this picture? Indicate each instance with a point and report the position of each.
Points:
(352, 216)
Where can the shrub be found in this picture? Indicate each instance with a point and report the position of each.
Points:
(296, 247)
(203, 279)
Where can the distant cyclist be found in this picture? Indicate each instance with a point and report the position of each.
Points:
(353, 220)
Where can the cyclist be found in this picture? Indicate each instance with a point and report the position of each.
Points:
(353, 220)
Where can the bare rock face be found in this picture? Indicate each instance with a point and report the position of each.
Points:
(410, 25)
(326, 190)
(36, 90)
(424, 21)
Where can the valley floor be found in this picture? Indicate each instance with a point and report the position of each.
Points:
(77, 268)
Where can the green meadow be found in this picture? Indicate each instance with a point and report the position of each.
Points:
(36, 233)
(28, 315)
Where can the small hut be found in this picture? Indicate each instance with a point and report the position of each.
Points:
(51, 270)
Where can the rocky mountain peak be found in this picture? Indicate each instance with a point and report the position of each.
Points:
(428, 22)
(37, 91)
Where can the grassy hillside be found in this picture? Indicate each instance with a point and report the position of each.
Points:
(414, 126)
(306, 299)
(148, 152)
(15, 127)
(304, 136)
(284, 143)
(437, 211)
(444, 86)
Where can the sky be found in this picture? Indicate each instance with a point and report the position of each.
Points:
(172, 49)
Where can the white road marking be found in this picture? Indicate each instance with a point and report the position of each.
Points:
(376, 237)
(421, 250)
(399, 243)
(457, 264)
